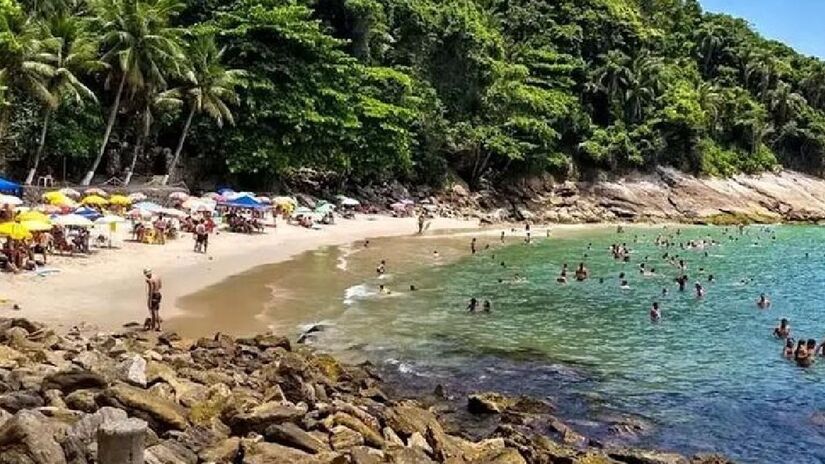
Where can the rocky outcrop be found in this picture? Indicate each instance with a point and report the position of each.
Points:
(259, 400)
(665, 195)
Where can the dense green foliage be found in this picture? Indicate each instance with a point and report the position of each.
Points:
(414, 90)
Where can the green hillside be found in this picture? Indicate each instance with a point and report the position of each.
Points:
(413, 90)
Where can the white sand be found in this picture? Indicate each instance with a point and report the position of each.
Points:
(107, 289)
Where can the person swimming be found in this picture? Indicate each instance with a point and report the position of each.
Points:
(562, 278)
(788, 351)
(383, 290)
(655, 312)
(682, 281)
(783, 330)
(581, 273)
(664, 292)
(710, 278)
(700, 291)
(804, 354)
(624, 285)
(763, 302)
(473, 305)
(435, 254)
(382, 267)
(412, 288)
(487, 307)
(502, 236)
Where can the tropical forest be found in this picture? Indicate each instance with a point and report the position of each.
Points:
(416, 91)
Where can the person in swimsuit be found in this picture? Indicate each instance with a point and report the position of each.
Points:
(473, 305)
(487, 306)
(382, 267)
(783, 330)
(153, 298)
(562, 278)
(624, 285)
(801, 355)
(581, 273)
(421, 223)
(655, 312)
(473, 246)
(502, 236)
(787, 352)
(700, 291)
(763, 302)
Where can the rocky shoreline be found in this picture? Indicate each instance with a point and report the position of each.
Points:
(257, 400)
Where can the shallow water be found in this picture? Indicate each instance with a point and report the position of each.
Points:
(708, 377)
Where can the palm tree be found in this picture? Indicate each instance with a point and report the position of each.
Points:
(784, 102)
(211, 89)
(710, 43)
(140, 45)
(153, 102)
(710, 100)
(813, 84)
(644, 86)
(614, 77)
(76, 53)
(27, 58)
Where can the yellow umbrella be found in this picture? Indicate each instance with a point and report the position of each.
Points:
(95, 200)
(33, 216)
(14, 230)
(120, 200)
(36, 226)
(59, 199)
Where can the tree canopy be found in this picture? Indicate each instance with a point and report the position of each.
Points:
(409, 90)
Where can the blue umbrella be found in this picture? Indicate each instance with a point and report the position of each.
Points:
(88, 213)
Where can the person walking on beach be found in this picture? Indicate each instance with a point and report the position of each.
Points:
(421, 223)
(153, 298)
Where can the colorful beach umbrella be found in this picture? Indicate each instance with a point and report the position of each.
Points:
(58, 198)
(110, 219)
(120, 200)
(95, 200)
(37, 226)
(14, 230)
(32, 215)
(10, 200)
(137, 196)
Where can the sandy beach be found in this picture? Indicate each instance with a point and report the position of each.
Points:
(106, 289)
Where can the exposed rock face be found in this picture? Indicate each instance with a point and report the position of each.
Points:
(666, 195)
(258, 400)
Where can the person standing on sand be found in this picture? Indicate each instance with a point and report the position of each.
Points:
(153, 298)
(421, 223)
(473, 246)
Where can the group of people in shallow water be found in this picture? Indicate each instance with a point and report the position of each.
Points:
(804, 352)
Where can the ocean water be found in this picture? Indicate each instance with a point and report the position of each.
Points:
(708, 377)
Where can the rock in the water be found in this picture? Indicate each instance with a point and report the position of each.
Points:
(635, 456)
(28, 438)
(133, 371)
(291, 435)
(69, 381)
(489, 403)
(19, 400)
(163, 414)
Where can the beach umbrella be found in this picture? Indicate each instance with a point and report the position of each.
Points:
(199, 204)
(225, 191)
(10, 200)
(284, 201)
(347, 201)
(72, 220)
(59, 199)
(212, 196)
(120, 200)
(398, 205)
(264, 200)
(49, 209)
(37, 226)
(96, 191)
(180, 196)
(95, 200)
(69, 192)
(14, 230)
(140, 213)
(35, 216)
(110, 219)
(137, 196)
(88, 213)
(325, 208)
(149, 206)
(302, 211)
(172, 212)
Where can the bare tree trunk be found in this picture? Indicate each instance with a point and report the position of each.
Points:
(135, 153)
(109, 125)
(171, 170)
(40, 146)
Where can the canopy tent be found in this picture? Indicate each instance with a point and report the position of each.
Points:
(244, 202)
(9, 187)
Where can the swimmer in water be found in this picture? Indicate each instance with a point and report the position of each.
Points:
(787, 352)
(562, 279)
(412, 288)
(473, 246)
(473, 305)
(582, 273)
(783, 330)
(502, 236)
(487, 307)
(700, 291)
(435, 254)
(624, 285)
(382, 267)
(664, 292)
(763, 302)
(682, 281)
(366, 243)
(655, 313)
(710, 278)
(383, 290)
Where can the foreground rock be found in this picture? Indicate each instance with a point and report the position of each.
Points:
(257, 400)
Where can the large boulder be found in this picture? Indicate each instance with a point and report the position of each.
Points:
(132, 370)
(271, 453)
(291, 435)
(489, 403)
(259, 417)
(160, 413)
(28, 438)
(19, 400)
(9, 357)
(169, 452)
(69, 381)
(83, 400)
(636, 456)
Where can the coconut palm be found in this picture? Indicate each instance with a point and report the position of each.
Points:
(784, 102)
(153, 102)
(711, 101)
(211, 89)
(76, 53)
(141, 48)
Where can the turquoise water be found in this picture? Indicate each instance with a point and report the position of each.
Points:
(708, 377)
